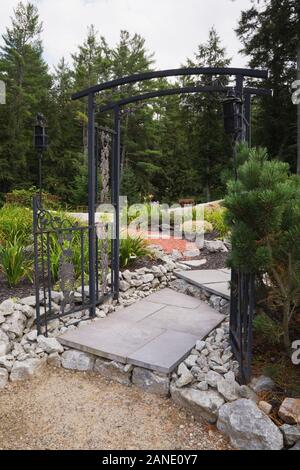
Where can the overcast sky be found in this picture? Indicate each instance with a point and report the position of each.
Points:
(172, 28)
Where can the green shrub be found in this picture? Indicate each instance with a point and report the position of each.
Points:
(23, 198)
(14, 263)
(15, 223)
(217, 217)
(132, 248)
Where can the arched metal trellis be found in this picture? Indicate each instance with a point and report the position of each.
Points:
(242, 306)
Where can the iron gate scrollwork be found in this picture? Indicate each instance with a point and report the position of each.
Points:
(62, 249)
(242, 309)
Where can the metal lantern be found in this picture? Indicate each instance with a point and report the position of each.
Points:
(231, 113)
(40, 133)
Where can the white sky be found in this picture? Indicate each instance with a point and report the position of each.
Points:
(172, 28)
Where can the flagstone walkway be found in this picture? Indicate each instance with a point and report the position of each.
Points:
(156, 333)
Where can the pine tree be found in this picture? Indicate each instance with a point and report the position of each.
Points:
(208, 147)
(270, 33)
(27, 82)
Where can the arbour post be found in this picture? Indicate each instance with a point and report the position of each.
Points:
(92, 203)
(115, 182)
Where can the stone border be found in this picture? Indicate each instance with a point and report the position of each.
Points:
(204, 383)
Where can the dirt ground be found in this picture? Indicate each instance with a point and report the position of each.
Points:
(68, 410)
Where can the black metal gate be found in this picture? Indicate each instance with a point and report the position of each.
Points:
(242, 308)
(63, 247)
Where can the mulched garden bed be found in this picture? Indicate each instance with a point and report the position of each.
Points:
(24, 289)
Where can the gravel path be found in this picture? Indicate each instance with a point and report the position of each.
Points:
(67, 410)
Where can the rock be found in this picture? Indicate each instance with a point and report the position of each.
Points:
(54, 360)
(262, 384)
(215, 246)
(152, 382)
(219, 369)
(203, 386)
(3, 378)
(7, 362)
(32, 335)
(248, 393)
(49, 345)
(186, 377)
(16, 323)
(190, 361)
(193, 253)
(212, 378)
(100, 313)
(30, 301)
(228, 389)
(200, 345)
(215, 302)
(195, 263)
(4, 348)
(7, 307)
(147, 278)
(202, 404)
(28, 311)
(289, 411)
(296, 446)
(291, 434)
(23, 370)
(78, 360)
(113, 371)
(247, 427)
(230, 376)
(124, 286)
(176, 254)
(265, 407)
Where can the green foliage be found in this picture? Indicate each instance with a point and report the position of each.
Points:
(14, 263)
(268, 329)
(132, 248)
(263, 213)
(23, 198)
(217, 217)
(15, 223)
(268, 30)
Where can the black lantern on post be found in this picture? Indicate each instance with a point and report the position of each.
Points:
(40, 143)
(231, 112)
(233, 121)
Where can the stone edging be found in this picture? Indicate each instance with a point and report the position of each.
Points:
(204, 382)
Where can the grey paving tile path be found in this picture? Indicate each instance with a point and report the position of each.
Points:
(156, 333)
(213, 280)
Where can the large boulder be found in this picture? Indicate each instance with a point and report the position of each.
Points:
(152, 382)
(49, 345)
(23, 370)
(3, 378)
(77, 360)
(248, 428)
(203, 404)
(114, 371)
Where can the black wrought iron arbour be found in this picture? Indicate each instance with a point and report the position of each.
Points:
(242, 307)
